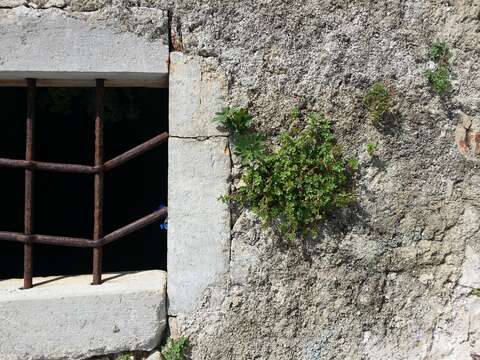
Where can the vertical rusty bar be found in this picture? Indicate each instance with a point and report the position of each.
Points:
(28, 214)
(98, 198)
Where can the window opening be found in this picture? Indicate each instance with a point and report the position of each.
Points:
(111, 158)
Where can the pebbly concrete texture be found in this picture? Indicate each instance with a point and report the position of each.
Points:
(392, 276)
(382, 280)
(67, 318)
(467, 137)
(51, 45)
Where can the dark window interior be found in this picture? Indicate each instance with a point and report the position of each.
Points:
(63, 203)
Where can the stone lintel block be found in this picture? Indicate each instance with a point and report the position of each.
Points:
(47, 44)
(196, 94)
(198, 222)
(67, 318)
(6, 4)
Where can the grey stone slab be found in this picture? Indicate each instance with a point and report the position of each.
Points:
(48, 44)
(196, 94)
(199, 223)
(67, 318)
(11, 3)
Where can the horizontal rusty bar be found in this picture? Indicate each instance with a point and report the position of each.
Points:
(136, 151)
(128, 229)
(46, 166)
(86, 169)
(45, 239)
(81, 242)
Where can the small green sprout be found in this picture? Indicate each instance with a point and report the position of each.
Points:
(371, 147)
(125, 357)
(378, 102)
(175, 349)
(475, 292)
(440, 53)
(439, 78)
(236, 120)
(353, 164)
(295, 113)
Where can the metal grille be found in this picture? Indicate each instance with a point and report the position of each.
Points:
(28, 237)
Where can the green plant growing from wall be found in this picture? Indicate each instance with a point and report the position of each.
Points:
(371, 148)
(440, 53)
(475, 292)
(175, 349)
(295, 113)
(439, 78)
(296, 185)
(378, 102)
(125, 357)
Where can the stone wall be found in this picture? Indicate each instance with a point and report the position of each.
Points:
(391, 277)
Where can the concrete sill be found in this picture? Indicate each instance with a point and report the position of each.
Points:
(67, 318)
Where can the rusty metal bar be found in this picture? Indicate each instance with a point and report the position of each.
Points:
(48, 239)
(136, 151)
(81, 242)
(29, 165)
(98, 183)
(39, 165)
(140, 223)
(28, 212)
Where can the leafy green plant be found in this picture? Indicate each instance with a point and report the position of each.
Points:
(125, 357)
(250, 147)
(439, 78)
(371, 147)
(378, 102)
(175, 349)
(236, 120)
(296, 185)
(295, 113)
(475, 292)
(440, 53)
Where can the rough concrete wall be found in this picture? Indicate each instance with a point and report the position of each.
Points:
(390, 277)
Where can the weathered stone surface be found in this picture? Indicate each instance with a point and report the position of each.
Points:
(61, 47)
(67, 318)
(382, 278)
(199, 223)
(11, 3)
(467, 137)
(46, 4)
(388, 278)
(195, 96)
(154, 356)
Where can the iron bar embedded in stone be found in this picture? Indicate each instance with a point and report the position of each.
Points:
(28, 238)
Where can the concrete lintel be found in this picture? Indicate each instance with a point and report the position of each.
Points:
(51, 45)
(67, 318)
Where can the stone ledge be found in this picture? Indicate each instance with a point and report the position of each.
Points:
(67, 318)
